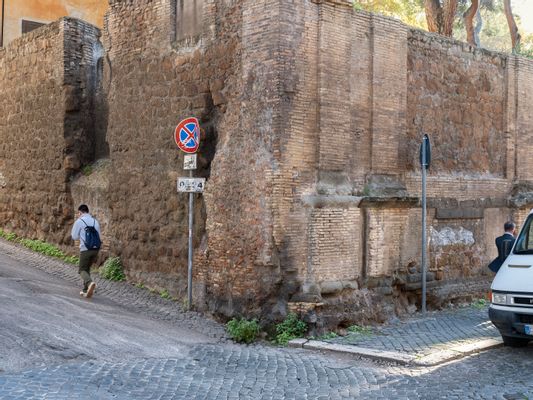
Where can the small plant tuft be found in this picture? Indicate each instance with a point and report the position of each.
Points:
(112, 270)
(290, 328)
(329, 335)
(87, 170)
(140, 285)
(164, 294)
(243, 330)
(479, 304)
(8, 236)
(360, 330)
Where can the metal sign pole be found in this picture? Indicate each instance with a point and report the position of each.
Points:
(189, 270)
(425, 161)
(187, 138)
(424, 267)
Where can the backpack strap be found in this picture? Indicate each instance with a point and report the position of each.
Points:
(84, 242)
(94, 222)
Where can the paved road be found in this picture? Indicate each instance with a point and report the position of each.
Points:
(54, 345)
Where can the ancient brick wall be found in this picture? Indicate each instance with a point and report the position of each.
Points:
(155, 81)
(44, 126)
(311, 117)
(347, 212)
(456, 95)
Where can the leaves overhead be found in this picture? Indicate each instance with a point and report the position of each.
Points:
(489, 28)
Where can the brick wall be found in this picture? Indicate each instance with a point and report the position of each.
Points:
(365, 88)
(311, 117)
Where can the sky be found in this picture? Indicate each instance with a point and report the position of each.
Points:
(524, 8)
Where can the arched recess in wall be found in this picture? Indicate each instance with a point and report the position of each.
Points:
(101, 147)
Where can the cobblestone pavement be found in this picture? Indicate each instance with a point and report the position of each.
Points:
(422, 336)
(222, 370)
(230, 372)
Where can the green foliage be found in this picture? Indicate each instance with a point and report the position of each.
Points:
(42, 247)
(112, 270)
(360, 330)
(290, 328)
(164, 294)
(39, 246)
(8, 236)
(479, 304)
(494, 34)
(47, 249)
(140, 285)
(410, 12)
(242, 330)
(87, 170)
(329, 335)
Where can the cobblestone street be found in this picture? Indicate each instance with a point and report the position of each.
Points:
(230, 372)
(145, 347)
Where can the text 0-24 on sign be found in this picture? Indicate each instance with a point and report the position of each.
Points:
(191, 185)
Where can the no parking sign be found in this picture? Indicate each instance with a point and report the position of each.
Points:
(187, 135)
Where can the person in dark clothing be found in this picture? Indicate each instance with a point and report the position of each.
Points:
(504, 245)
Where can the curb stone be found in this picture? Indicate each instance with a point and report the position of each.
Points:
(432, 359)
(457, 352)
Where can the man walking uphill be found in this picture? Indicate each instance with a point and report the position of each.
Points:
(86, 229)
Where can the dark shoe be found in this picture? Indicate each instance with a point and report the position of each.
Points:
(90, 289)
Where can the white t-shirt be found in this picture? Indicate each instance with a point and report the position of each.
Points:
(78, 230)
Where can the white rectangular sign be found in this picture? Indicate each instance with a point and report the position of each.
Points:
(189, 162)
(191, 185)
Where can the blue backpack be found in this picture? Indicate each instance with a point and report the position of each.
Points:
(92, 238)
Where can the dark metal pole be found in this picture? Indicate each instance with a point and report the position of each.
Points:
(424, 267)
(189, 269)
(2, 30)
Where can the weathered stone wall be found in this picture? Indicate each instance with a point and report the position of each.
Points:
(457, 95)
(362, 90)
(45, 129)
(311, 117)
(154, 83)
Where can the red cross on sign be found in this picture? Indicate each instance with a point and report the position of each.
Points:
(187, 135)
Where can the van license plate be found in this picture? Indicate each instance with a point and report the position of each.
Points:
(528, 329)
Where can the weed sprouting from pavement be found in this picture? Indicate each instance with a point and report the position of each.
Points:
(291, 328)
(243, 330)
(112, 270)
(360, 330)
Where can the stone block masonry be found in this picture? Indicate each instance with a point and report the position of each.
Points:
(45, 96)
(311, 117)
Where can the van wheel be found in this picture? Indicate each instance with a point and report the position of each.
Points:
(514, 342)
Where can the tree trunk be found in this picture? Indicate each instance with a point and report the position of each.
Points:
(513, 29)
(440, 18)
(433, 15)
(449, 10)
(469, 22)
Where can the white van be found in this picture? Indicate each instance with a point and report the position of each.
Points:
(511, 308)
